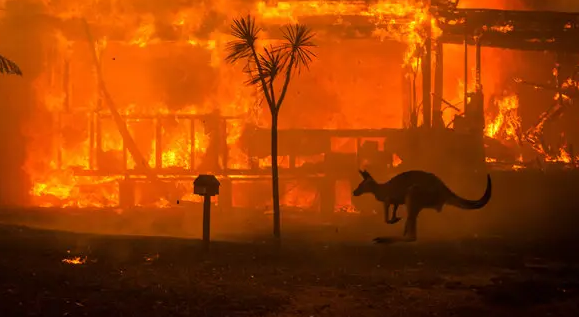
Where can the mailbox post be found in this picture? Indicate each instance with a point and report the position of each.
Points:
(206, 186)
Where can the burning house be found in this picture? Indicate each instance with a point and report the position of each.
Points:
(132, 93)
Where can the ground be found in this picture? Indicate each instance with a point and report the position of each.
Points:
(156, 276)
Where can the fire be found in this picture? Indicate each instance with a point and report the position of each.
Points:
(405, 21)
(73, 112)
(400, 20)
(77, 260)
(503, 28)
(507, 123)
(396, 160)
(145, 32)
(563, 157)
(57, 182)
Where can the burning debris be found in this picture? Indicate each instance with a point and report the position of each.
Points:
(77, 260)
(506, 125)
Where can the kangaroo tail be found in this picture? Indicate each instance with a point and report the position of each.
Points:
(462, 203)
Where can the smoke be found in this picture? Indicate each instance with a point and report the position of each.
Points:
(16, 93)
(551, 5)
(494, 4)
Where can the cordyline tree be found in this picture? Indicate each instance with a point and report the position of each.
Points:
(263, 68)
(8, 67)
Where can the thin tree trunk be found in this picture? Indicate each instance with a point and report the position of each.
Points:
(275, 180)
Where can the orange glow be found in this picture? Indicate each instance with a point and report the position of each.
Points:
(164, 85)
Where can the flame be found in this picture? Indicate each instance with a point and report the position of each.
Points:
(396, 160)
(145, 32)
(62, 165)
(502, 28)
(400, 20)
(77, 260)
(563, 157)
(507, 124)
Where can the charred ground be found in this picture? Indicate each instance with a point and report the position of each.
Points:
(498, 275)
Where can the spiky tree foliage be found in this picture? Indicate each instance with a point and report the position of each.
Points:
(264, 67)
(8, 67)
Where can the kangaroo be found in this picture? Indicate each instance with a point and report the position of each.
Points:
(417, 190)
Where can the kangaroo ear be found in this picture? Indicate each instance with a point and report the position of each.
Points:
(362, 173)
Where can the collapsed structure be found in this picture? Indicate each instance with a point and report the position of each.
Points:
(108, 146)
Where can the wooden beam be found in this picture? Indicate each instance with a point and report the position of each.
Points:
(511, 42)
(465, 70)
(192, 140)
(158, 143)
(91, 142)
(98, 141)
(437, 120)
(427, 80)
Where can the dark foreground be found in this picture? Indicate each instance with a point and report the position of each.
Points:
(141, 276)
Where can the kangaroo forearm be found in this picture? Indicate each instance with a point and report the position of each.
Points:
(386, 212)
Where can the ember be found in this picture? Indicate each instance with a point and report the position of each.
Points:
(75, 260)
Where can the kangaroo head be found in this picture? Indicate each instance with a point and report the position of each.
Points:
(368, 184)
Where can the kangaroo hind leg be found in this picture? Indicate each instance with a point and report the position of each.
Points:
(394, 218)
(413, 208)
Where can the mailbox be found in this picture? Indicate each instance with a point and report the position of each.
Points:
(206, 185)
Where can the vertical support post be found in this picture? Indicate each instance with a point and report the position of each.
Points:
(328, 195)
(66, 85)
(65, 108)
(358, 147)
(206, 220)
(406, 97)
(125, 157)
(158, 143)
(478, 111)
(478, 62)
(437, 120)
(58, 138)
(427, 79)
(91, 141)
(465, 67)
(250, 148)
(192, 140)
(480, 105)
(225, 148)
(126, 192)
(98, 138)
(225, 201)
(572, 154)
